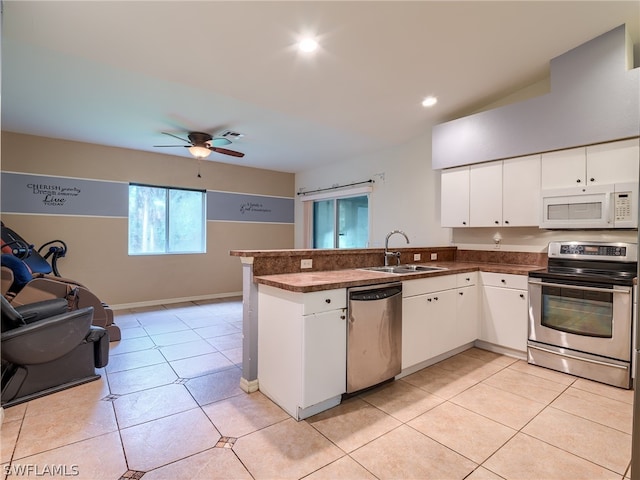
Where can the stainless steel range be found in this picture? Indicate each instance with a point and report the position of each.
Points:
(581, 311)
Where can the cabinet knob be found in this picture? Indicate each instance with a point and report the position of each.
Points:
(503, 281)
(435, 298)
(460, 293)
(578, 181)
(522, 295)
(592, 179)
(464, 223)
(342, 317)
(496, 222)
(328, 300)
(468, 279)
(428, 299)
(506, 222)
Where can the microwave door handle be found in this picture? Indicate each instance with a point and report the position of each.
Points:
(579, 287)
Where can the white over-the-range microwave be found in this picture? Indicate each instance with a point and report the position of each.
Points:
(594, 206)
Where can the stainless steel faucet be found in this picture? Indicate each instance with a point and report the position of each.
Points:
(387, 253)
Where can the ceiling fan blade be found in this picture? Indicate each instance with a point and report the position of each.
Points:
(187, 146)
(175, 136)
(219, 142)
(226, 151)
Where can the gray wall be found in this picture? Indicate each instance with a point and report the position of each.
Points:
(594, 98)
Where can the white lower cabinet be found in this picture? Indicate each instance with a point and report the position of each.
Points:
(324, 353)
(438, 315)
(428, 326)
(504, 310)
(302, 348)
(467, 315)
(302, 341)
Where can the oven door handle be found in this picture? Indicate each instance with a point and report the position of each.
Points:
(579, 287)
(582, 359)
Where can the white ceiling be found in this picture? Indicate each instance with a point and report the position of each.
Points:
(118, 73)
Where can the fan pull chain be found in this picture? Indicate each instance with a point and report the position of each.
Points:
(199, 163)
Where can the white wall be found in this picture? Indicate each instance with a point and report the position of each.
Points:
(406, 193)
(409, 197)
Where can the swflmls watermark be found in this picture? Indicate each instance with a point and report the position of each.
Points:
(35, 470)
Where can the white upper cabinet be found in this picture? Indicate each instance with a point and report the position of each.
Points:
(565, 168)
(455, 197)
(521, 191)
(492, 194)
(607, 163)
(615, 162)
(485, 197)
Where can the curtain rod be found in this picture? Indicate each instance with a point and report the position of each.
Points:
(336, 187)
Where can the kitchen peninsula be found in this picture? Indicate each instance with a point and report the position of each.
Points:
(294, 320)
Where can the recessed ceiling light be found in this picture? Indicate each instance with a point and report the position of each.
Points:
(308, 45)
(429, 101)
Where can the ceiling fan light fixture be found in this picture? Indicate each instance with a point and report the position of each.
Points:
(199, 152)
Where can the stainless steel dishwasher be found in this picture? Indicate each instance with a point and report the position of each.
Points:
(374, 335)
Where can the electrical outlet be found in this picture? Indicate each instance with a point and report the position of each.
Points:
(306, 263)
(434, 256)
(416, 257)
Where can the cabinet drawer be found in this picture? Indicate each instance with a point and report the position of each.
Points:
(466, 279)
(420, 286)
(505, 280)
(325, 300)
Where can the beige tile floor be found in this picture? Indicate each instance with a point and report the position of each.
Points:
(169, 406)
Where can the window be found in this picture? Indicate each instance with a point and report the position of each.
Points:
(341, 222)
(165, 220)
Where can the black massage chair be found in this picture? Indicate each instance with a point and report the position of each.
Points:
(45, 348)
(44, 286)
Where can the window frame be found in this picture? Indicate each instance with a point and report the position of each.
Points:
(167, 214)
(308, 203)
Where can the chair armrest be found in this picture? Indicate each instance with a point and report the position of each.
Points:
(47, 339)
(39, 310)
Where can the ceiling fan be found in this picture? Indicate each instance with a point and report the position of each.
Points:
(201, 145)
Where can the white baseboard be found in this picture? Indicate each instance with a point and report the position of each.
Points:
(509, 352)
(168, 301)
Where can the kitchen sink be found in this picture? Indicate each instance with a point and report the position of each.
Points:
(406, 268)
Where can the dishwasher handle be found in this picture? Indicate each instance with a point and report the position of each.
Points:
(374, 294)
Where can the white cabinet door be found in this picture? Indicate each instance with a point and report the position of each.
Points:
(467, 315)
(454, 197)
(564, 168)
(521, 191)
(324, 356)
(415, 330)
(615, 162)
(485, 194)
(443, 322)
(504, 317)
(429, 326)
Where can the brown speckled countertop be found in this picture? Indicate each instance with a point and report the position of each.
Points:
(304, 282)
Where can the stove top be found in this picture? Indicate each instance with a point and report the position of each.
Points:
(607, 263)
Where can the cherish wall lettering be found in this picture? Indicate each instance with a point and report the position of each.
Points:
(53, 195)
